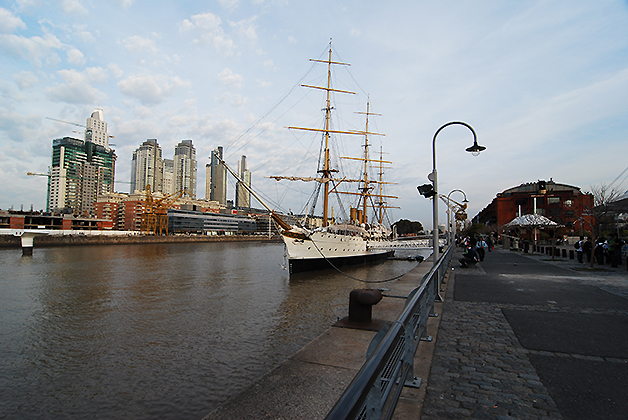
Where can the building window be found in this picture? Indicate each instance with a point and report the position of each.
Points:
(568, 203)
(553, 200)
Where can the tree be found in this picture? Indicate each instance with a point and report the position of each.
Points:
(405, 227)
(602, 212)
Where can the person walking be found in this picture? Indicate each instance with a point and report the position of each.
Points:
(587, 247)
(481, 248)
(578, 246)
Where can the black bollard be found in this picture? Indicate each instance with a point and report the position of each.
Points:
(361, 303)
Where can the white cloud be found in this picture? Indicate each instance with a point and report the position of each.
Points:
(115, 70)
(76, 89)
(229, 4)
(235, 100)
(75, 57)
(83, 34)
(136, 44)
(151, 89)
(229, 78)
(73, 7)
(246, 28)
(35, 49)
(97, 74)
(9, 22)
(207, 30)
(25, 80)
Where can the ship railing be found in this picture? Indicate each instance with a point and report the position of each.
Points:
(375, 390)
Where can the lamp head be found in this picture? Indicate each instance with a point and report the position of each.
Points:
(476, 148)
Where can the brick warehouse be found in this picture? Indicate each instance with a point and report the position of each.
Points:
(564, 204)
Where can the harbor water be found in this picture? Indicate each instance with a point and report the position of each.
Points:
(166, 331)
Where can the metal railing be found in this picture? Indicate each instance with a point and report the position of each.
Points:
(375, 390)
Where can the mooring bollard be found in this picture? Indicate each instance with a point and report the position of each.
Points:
(361, 303)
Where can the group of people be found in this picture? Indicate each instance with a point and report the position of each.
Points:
(475, 249)
(604, 250)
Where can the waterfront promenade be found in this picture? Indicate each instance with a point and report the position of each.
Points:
(519, 336)
(526, 337)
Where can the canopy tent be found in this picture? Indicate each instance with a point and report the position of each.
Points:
(535, 221)
(532, 221)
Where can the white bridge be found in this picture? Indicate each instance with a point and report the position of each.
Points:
(405, 244)
(27, 235)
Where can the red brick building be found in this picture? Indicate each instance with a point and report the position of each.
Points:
(564, 204)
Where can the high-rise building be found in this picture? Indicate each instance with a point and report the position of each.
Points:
(147, 167)
(185, 168)
(80, 171)
(96, 129)
(218, 177)
(208, 181)
(168, 177)
(243, 196)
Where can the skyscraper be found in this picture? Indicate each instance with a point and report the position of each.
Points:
(208, 181)
(168, 177)
(147, 167)
(96, 129)
(218, 178)
(185, 167)
(80, 171)
(243, 196)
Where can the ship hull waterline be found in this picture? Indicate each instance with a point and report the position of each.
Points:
(302, 265)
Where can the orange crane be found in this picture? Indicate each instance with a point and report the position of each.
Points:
(155, 217)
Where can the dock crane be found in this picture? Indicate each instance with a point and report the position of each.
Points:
(154, 220)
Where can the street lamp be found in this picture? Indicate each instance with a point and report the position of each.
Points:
(474, 150)
(462, 206)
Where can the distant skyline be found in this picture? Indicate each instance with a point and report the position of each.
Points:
(544, 85)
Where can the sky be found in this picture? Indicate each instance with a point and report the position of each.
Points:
(544, 84)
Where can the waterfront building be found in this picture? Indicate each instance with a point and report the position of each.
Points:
(168, 177)
(185, 168)
(564, 204)
(218, 178)
(147, 167)
(243, 196)
(80, 171)
(208, 181)
(96, 129)
(189, 221)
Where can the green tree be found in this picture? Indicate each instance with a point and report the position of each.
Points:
(405, 227)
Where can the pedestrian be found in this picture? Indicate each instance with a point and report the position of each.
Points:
(578, 246)
(481, 248)
(612, 249)
(599, 251)
(587, 247)
(489, 243)
(469, 257)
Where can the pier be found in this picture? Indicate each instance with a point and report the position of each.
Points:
(517, 336)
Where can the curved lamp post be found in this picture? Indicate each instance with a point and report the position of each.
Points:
(474, 150)
(452, 233)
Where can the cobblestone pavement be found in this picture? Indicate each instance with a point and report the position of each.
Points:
(480, 369)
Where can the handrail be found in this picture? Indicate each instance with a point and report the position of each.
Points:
(370, 395)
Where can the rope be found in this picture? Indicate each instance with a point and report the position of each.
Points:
(355, 278)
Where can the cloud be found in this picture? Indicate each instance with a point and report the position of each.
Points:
(73, 7)
(115, 70)
(97, 74)
(35, 49)
(235, 100)
(246, 28)
(75, 57)
(76, 89)
(136, 44)
(9, 22)
(83, 34)
(229, 78)
(206, 29)
(25, 80)
(151, 89)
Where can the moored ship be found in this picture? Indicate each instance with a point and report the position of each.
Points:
(333, 245)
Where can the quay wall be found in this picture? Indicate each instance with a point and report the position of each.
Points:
(9, 241)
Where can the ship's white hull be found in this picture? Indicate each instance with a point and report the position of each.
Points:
(323, 250)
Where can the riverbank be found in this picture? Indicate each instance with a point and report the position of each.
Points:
(8, 241)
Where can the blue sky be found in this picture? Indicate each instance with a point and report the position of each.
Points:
(544, 84)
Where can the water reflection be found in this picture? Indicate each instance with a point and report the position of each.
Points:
(154, 331)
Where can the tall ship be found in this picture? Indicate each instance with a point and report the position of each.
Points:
(334, 244)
